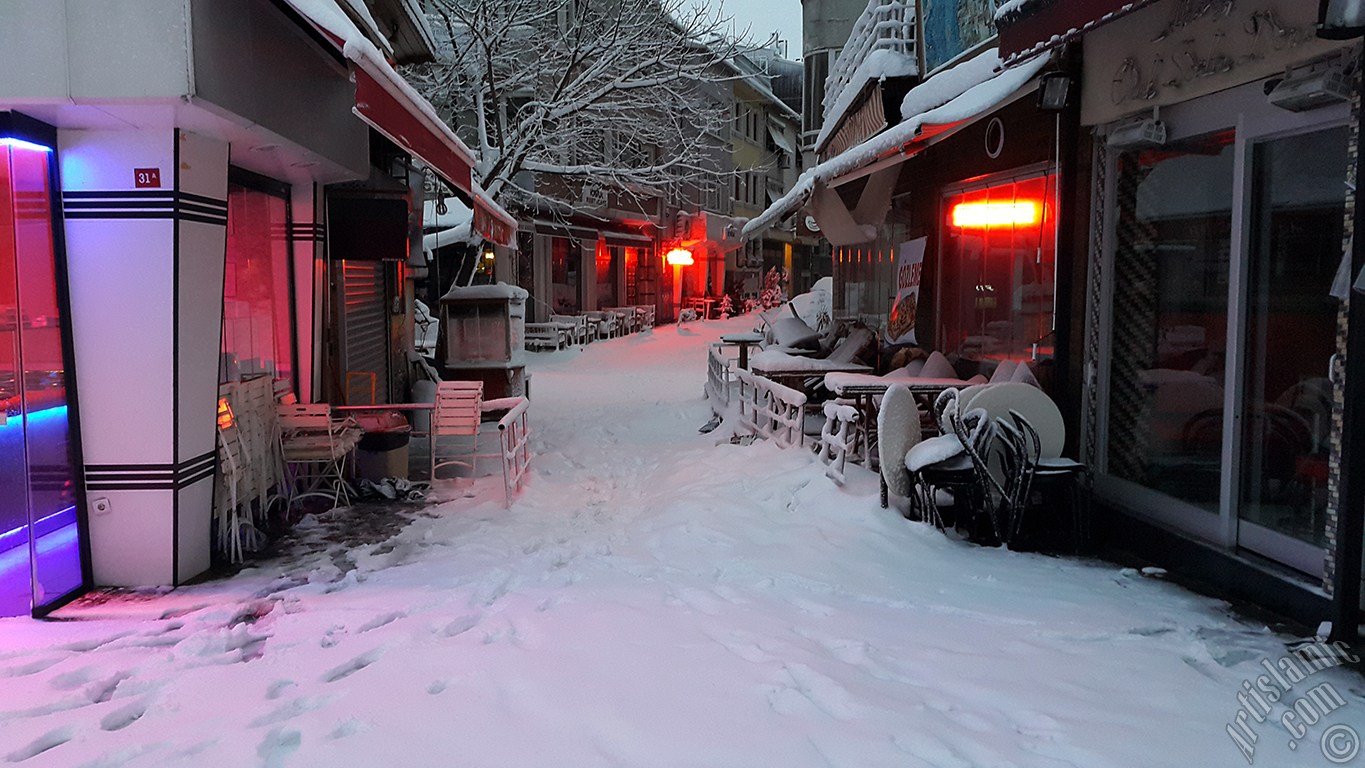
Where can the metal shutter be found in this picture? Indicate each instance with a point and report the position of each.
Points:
(364, 333)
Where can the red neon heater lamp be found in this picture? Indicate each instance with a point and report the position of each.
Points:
(1023, 213)
(679, 257)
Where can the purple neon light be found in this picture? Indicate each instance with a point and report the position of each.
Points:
(21, 144)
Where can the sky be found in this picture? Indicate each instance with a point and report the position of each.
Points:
(765, 16)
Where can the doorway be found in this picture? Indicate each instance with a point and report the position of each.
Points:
(1216, 403)
(43, 552)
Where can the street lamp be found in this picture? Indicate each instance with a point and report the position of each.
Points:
(1344, 20)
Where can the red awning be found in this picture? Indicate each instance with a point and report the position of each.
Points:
(385, 101)
(1039, 27)
(401, 123)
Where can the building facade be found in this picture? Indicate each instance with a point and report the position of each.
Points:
(184, 216)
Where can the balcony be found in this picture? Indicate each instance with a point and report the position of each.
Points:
(886, 25)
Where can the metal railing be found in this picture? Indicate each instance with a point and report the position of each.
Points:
(885, 25)
(514, 435)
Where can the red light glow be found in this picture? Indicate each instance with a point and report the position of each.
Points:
(679, 257)
(984, 215)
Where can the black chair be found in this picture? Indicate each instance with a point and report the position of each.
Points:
(1031, 470)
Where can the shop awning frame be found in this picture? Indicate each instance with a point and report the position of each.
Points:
(389, 105)
(959, 107)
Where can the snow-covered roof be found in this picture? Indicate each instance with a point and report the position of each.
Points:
(947, 98)
(879, 65)
(496, 291)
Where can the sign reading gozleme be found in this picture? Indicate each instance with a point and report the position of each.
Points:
(900, 327)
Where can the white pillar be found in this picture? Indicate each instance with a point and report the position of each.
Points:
(145, 257)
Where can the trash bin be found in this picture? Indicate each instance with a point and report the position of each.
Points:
(383, 450)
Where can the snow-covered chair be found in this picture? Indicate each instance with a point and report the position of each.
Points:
(898, 430)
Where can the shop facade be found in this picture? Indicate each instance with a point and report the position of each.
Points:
(1223, 170)
(185, 222)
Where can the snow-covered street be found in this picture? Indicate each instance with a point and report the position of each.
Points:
(655, 597)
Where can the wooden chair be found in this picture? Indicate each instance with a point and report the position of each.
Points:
(458, 413)
(311, 438)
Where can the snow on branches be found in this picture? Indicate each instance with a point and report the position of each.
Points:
(571, 100)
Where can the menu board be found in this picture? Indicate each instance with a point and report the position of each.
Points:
(900, 327)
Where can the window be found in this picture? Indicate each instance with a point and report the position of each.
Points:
(1171, 316)
(564, 266)
(258, 333)
(996, 274)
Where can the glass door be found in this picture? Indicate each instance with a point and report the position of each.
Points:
(41, 544)
(1294, 243)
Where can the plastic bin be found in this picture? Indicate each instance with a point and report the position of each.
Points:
(383, 449)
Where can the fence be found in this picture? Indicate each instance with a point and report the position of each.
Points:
(770, 409)
(718, 381)
(838, 438)
(514, 434)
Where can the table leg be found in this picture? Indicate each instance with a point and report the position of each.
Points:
(744, 356)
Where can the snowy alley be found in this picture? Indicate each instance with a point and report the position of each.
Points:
(655, 597)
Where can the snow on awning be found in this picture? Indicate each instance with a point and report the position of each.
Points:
(386, 102)
(462, 233)
(944, 103)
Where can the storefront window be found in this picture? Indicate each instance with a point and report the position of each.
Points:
(1170, 317)
(608, 259)
(1298, 196)
(996, 278)
(40, 557)
(564, 268)
(258, 335)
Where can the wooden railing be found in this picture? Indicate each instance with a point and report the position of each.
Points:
(718, 380)
(838, 438)
(770, 409)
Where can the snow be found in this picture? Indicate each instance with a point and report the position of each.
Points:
(655, 597)
(480, 292)
(879, 65)
(944, 99)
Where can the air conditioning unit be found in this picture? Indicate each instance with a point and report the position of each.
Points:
(1149, 132)
(1322, 87)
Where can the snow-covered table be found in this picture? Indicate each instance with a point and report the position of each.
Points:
(743, 341)
(866, 390)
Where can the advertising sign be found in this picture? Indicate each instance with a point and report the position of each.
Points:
(900, 327)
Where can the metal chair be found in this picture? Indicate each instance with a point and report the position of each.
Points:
(310, 437)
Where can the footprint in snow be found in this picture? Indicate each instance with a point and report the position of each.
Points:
(124, 716)
(278, 687)
(353, 666)
(50, 740)
(436, 686)
(380, 621)
(278, 745)
(461, 625)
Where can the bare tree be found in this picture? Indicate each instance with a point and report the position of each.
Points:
(559, 95)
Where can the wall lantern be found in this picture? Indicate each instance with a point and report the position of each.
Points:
(984, 215)
(1341, 19)
(1055, 91)
(679, 257)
